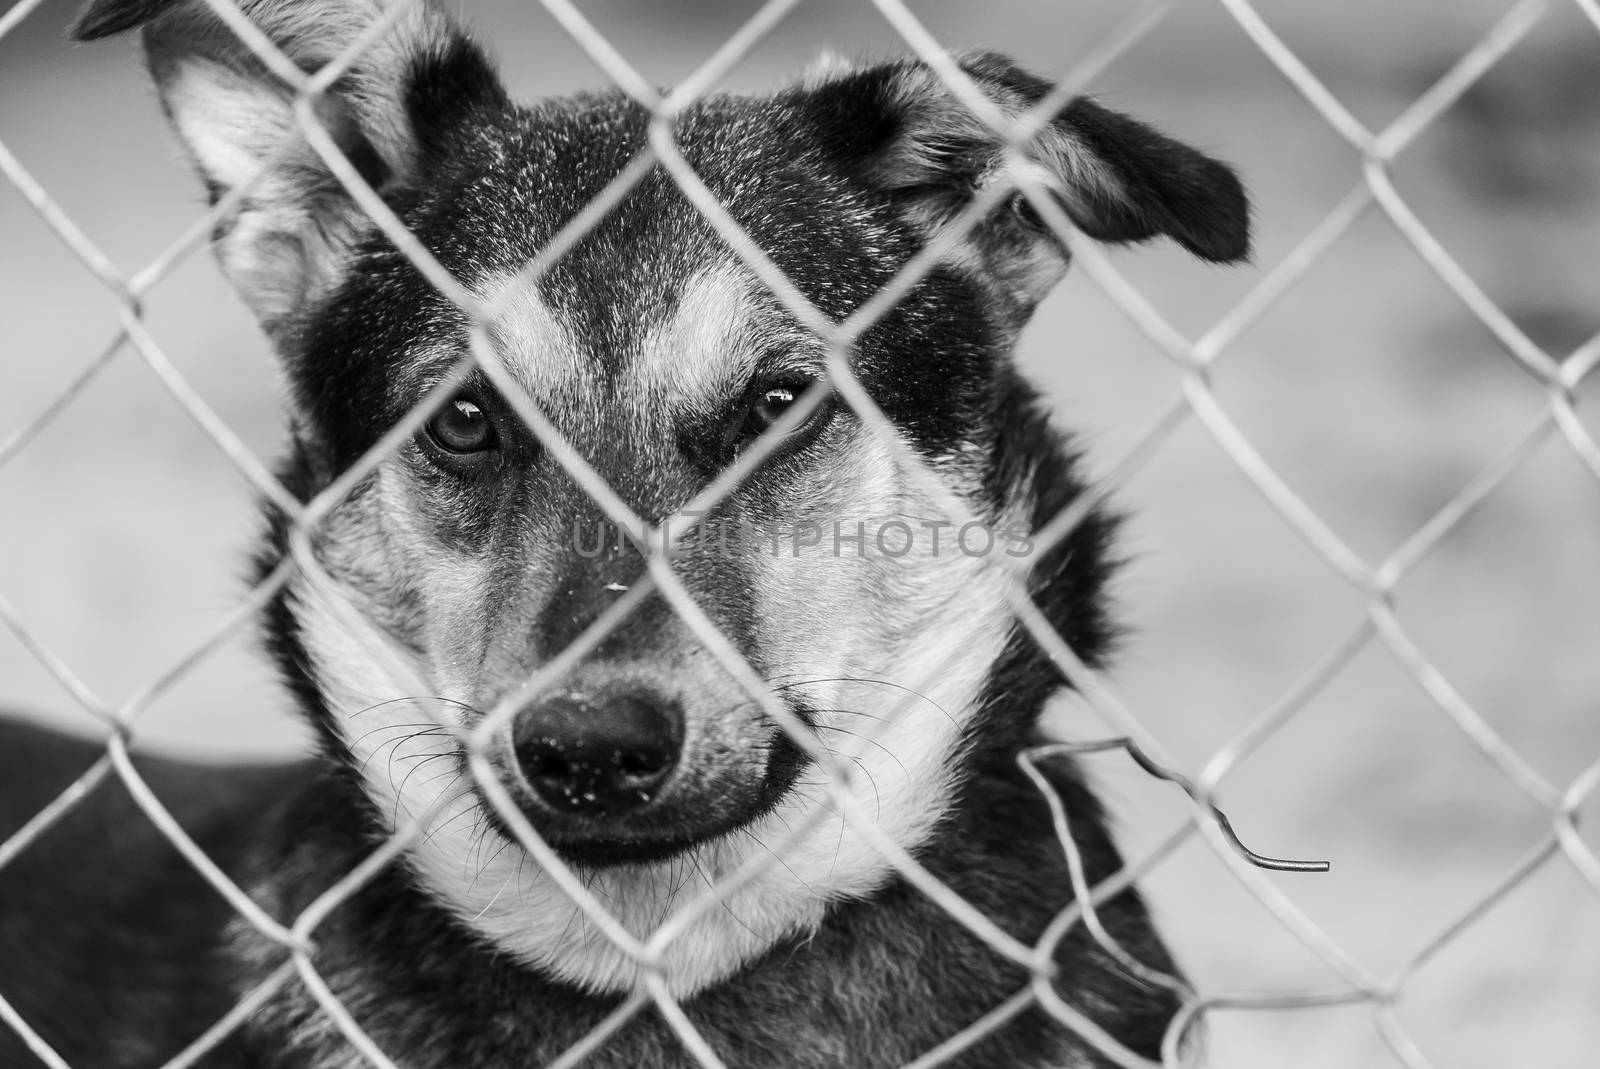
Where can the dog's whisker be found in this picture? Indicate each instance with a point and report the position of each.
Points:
(683, 875)
(590, 880)
(454, 775)
(845, 711)
(877, 799)
(490, 904)
(838, 847)
(427, 727)
(522, 864)
(876, 683)
(747, 833)
(400, 792)
(448, 801)
(427, 755)
(870, 741)
(393, 746)
(722, 899)
(478, 835)
(415, 698)
(561, 937)
(505, 845)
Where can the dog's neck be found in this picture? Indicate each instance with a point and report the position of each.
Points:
(409, 971)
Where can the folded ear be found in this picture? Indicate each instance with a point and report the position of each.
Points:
(391, 113)
(901, 129)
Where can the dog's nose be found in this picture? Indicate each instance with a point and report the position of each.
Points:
(598, 757)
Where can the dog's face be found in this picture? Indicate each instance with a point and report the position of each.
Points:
(871, 596)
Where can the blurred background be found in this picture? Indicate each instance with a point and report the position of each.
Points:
(1369, 388)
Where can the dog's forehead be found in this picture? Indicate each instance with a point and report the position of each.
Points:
(651, 301)
(689, 341)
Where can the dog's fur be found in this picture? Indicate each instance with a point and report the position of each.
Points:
(459, 571)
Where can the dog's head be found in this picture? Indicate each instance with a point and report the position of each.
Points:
(871, 597)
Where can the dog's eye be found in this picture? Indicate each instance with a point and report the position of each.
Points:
(461, 426)
(768, 406)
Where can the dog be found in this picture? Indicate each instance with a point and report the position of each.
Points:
(468, 556)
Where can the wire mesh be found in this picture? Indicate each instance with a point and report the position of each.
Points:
(1193, 361)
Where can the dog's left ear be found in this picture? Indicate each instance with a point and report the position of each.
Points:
(900, 129)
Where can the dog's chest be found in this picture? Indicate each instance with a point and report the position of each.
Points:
(878, 993)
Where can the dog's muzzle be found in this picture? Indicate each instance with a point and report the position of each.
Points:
(607, 774)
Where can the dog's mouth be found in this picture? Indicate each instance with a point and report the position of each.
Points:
(602, 854)
(602, 844)
(670, 825)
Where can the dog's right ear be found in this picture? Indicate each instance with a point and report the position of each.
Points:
(393, 111)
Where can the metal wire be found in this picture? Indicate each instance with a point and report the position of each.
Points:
(1193, 361)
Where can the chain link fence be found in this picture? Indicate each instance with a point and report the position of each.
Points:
(1194, 358)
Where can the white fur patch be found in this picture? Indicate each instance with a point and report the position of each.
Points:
(703, 354)
(538, 348)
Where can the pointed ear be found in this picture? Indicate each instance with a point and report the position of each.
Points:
(391, 114)
(899, 127)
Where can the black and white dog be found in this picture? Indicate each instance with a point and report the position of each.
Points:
(469, 557)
